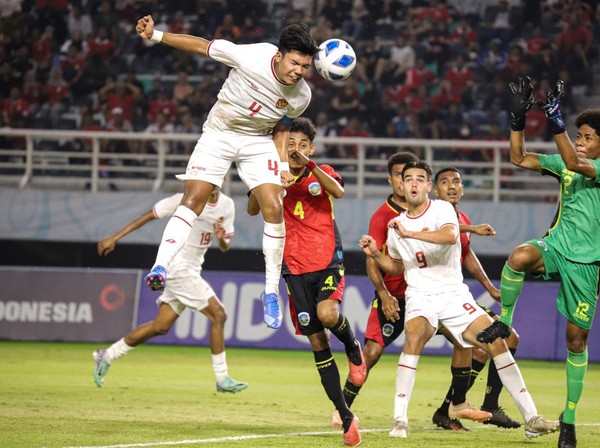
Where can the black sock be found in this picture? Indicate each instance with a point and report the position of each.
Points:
(350, 392)
(494, 386)
(460, 383)
(330, 379)
(344, 333)
(476, 368)
(443, 409)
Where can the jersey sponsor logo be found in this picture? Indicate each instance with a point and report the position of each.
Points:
(281, 103)
(253, 86)
(314, 188)
(304, 319)
(542, 244)
(170, 240)
(387, 330)
(14, 311)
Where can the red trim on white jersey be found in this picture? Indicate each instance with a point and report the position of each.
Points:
(208, 48)
(424, 211)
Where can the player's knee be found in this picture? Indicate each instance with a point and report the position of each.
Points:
(522, 258)
(479, 355)
(576, 345)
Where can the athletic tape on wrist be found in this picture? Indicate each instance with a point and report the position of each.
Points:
(157, 36)
(311, 165)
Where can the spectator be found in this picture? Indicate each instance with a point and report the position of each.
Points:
(161, 104)
(322, 30)
(79, 22)
(57, 97)
(102, 44)
(228, 30)
(106, 18)
(492, 60)
(392, 70)
(182, 89)
(354, 27)
(250, 32)
(179, 24)
(346, 101)
(353, 129)
(536, 42)
(15, 109)
(118, 94)
(72, 65)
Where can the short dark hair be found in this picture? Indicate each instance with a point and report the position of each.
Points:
(591, 117)
(297, 37)
(419, 164)
(400, 158)
(445, 170)
(304, 126)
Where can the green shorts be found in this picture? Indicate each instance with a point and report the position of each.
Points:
(578, 292)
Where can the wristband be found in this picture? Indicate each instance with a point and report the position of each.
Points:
(284, 166)
(311, 165)
(157, 36)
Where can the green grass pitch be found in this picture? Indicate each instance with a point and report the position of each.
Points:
(161, 396)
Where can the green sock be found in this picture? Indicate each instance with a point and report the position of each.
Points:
(576, 369)
(511, 285)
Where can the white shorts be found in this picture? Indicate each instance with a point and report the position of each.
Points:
(256, 158)
(186, 292)
(456, 310)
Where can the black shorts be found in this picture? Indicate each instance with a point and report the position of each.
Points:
(305, 291)
(381, 330)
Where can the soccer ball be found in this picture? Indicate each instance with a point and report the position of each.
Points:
(335, 60)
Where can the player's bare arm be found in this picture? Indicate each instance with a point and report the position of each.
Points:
(329, 184)
(183, 42)
(474, 267)
(107, 245)
(587, 143)
(281, 135)
(447, 234)
(384, 261)
(389, 303)
(479, 229)
(223, 241)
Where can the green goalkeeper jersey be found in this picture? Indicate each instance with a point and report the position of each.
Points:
(575, 232)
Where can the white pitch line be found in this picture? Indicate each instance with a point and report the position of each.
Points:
(263, 436)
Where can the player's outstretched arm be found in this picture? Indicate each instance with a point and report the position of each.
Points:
(521, 101)
(479, 229)
(474, 267)
(183, 42)
(551, 107)
(107, 245)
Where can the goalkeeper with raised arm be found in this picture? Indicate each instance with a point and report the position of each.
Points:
(559, 255)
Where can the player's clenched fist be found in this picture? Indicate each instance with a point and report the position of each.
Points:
(368, 244)
(145, 27)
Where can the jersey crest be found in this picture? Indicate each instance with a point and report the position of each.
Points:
(314, 188)
(281, 103)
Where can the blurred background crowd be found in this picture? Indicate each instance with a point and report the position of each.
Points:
(426, 68)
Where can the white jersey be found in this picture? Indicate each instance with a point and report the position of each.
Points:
(190, 258)
(252, 99)
(429, 268)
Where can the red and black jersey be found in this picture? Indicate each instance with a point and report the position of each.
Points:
(312, 241)
(378, 229)
(465, 237)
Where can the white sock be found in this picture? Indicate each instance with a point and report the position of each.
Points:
(273, 243)
(219, 365)
(405, 381)
(117, 350)
(175, 235)
(509, 373)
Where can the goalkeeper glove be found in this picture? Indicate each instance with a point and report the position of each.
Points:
(521, 102)
(551, 108)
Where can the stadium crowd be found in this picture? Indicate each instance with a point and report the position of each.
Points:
(430, 68)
